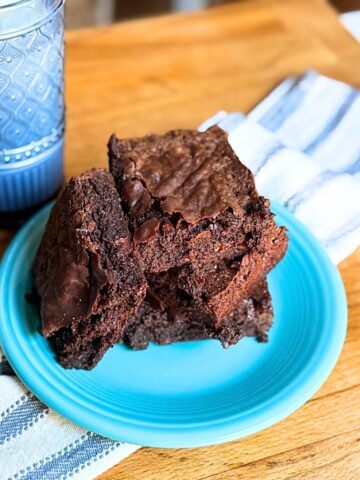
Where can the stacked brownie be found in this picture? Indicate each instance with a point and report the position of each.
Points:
(178, 250)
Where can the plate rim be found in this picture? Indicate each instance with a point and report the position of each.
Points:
(208, 433)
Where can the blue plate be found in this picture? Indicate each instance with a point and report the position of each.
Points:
(193, 393)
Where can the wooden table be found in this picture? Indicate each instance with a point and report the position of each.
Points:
(175, 71)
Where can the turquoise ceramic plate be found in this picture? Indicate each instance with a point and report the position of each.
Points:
(194, 393)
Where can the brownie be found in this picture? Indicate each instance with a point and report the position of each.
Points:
(173, 244)
(169, 315)
(87, 277)
(193, 205)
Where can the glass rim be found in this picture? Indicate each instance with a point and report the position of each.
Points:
(11, 3)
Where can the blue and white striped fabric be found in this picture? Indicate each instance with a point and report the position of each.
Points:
(303, 145)
(38, 444)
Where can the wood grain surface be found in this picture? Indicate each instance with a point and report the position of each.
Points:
(175, 71)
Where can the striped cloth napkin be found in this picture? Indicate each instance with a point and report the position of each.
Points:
(303, 144)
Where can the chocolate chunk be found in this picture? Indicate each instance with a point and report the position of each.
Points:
(147, 230)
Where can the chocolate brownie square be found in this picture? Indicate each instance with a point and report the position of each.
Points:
(193, 205)
(87, 278)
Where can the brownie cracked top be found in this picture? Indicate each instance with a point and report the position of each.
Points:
(196, 174)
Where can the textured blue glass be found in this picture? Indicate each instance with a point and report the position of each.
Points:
(31, 101)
